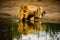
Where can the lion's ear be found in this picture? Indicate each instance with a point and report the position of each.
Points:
(41, 9)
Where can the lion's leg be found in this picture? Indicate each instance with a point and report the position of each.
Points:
(25, 16)
(21, 16)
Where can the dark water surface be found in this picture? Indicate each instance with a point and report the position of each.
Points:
(12, 29)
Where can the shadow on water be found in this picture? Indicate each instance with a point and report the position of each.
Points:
(11, 29)
(5, 32)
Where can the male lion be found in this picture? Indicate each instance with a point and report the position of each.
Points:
(30, 11)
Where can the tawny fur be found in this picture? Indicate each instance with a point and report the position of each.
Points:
(27, 10)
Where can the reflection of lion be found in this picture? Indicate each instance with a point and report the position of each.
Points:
(29, 27)
(30, 11)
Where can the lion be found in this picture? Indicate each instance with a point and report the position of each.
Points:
(30, 12)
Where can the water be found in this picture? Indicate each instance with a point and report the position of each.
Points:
(12, 29)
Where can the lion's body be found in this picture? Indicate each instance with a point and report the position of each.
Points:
(30, 10)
